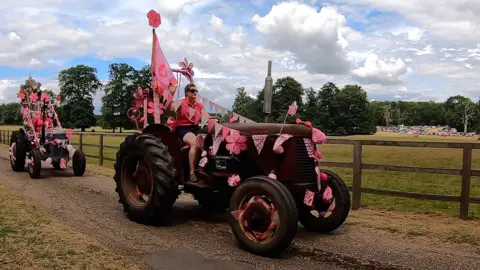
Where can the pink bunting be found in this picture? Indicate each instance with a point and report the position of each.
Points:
(308, 199)
(259, 141)
(281, 139)
(225, 132)
(204, 101)
(218, 128)
(211, 104)
(216, 144)
(217, 108)
(224, 110)
(309, 145)
(211, 124)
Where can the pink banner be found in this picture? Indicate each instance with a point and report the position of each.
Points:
(259, 141)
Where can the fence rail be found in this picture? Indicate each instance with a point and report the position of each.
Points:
(356, 165)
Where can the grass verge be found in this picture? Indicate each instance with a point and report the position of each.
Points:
(29, 239)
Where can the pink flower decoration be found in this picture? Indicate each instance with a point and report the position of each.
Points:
(187, 67)
(33, 97)
(233, 120)
(318, 137)
(317, 156)
(236, 142)
(233, 180)
(21, 95)
(154, 19)
(150, 107)
(63, 163)
(69, 133)
(292, 109)
(45, 97)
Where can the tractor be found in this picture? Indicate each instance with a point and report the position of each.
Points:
(265, 175)
(42, 137)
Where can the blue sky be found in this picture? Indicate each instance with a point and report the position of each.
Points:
(377, 44)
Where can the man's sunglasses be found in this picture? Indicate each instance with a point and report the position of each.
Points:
(193, 90)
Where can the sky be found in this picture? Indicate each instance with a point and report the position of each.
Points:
(417, 50)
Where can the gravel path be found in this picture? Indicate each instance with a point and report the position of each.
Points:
(202, 240)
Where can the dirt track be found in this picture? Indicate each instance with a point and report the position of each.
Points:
(203, 241)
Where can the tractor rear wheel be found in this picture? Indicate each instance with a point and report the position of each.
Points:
(18, 151)
(264, 217)
(144, 177)
(79, 163)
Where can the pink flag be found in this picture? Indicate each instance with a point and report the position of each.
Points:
(161, 72)
(211, 104)
(211, 124)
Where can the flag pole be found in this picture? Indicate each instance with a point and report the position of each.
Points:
(156, 100)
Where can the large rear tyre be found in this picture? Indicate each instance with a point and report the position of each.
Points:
(144, 177)
(79, 163)
(18, 151)
(264, 217)
(335, 217)
(35, 164)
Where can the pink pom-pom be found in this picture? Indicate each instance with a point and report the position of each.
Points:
(323, 176)
(318, 137)
(272, 176)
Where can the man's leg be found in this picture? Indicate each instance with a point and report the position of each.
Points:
(191, 140)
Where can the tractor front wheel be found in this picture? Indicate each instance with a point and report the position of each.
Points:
(328, 216)
(144, 177)
(264, 217)
(35, 164)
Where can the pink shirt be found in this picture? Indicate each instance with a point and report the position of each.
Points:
(183, 113)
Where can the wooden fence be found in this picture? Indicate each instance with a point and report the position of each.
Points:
(357, 165)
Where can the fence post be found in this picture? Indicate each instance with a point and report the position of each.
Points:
(81, 141)
(466, 177)
(100, 150)
(357, 175)
(1, 136)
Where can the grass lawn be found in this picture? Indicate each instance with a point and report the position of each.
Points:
(30, 239)
(401, 181)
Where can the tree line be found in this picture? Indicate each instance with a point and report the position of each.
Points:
(337, 111)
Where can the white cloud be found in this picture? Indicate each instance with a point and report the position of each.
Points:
(376, 70)
(229, 43)
(314, 37)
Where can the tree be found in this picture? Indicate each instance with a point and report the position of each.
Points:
(460, 111)
(328, 107)
(242, 102)
(118, 97)
(353, 116)
(387, 113)
(285, 92)
(10, 114)
(77, 85)
(310, 111)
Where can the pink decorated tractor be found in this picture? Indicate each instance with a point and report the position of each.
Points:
(42, 138)
(265, 175)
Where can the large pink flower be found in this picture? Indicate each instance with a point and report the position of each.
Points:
(236, 142)
(33, 97)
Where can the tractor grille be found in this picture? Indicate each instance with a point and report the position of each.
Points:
(305, 164)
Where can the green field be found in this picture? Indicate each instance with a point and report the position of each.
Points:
(407, 156)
